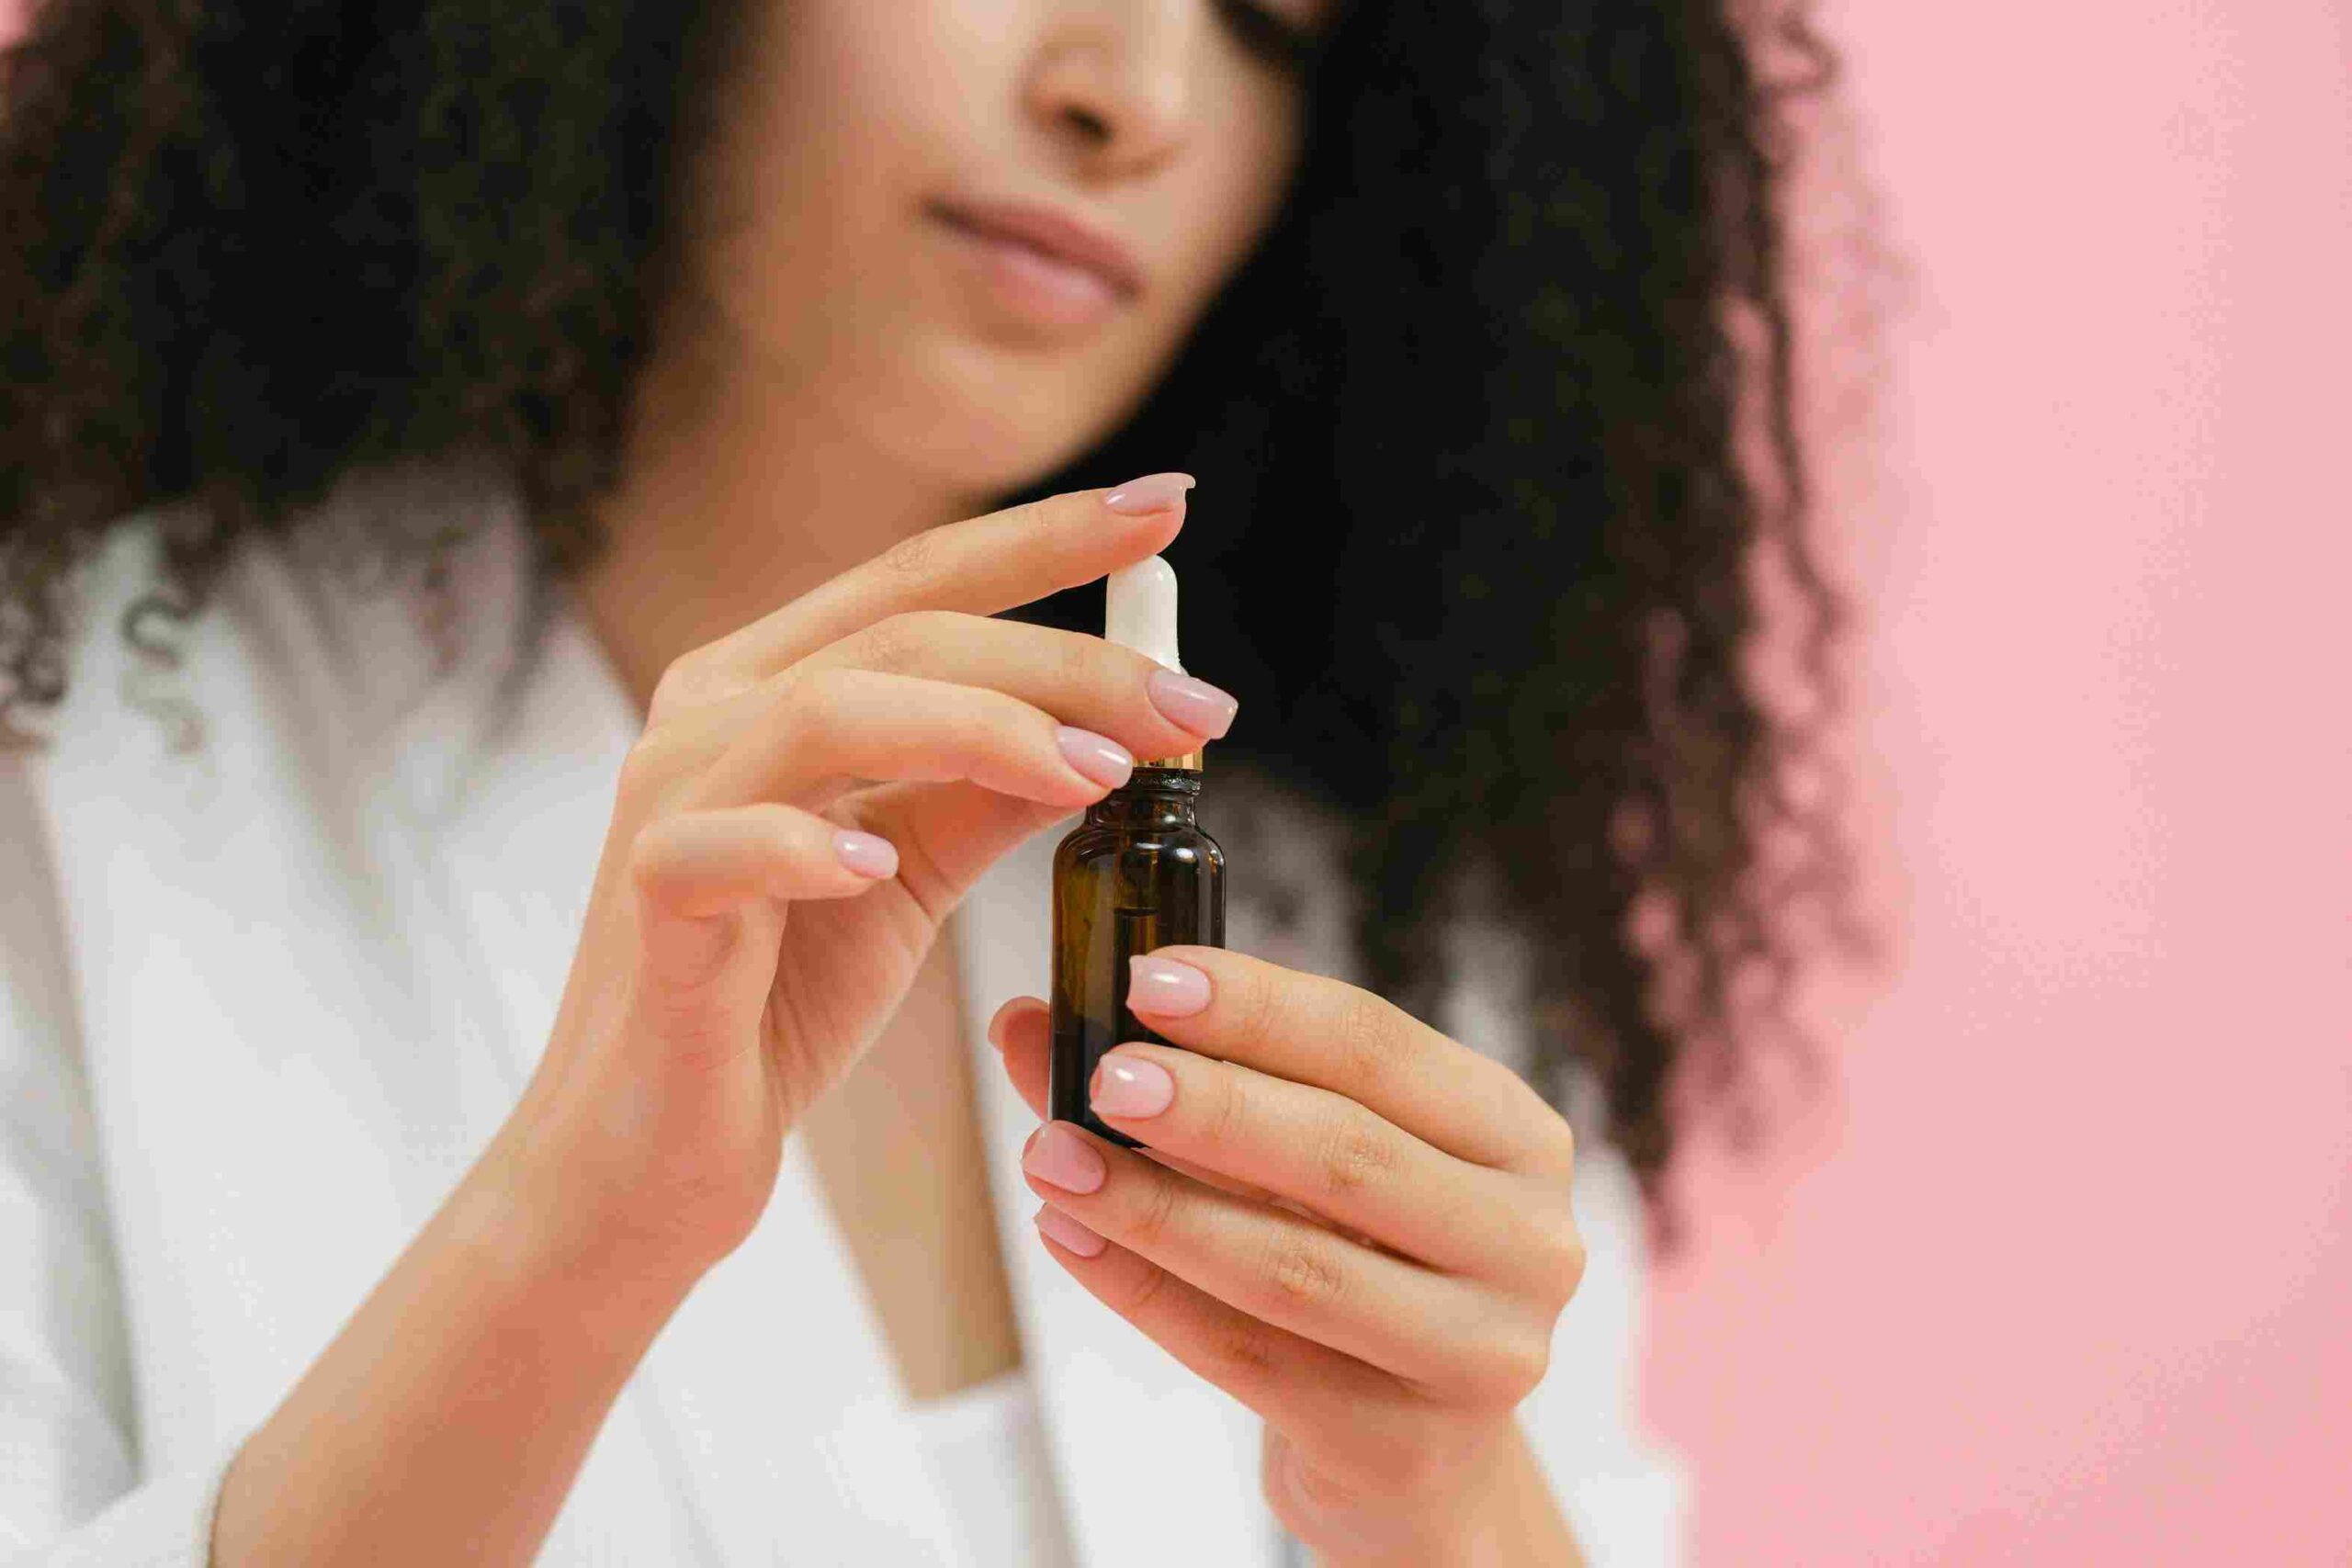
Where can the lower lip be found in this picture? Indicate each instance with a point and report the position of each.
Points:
(1034, 284)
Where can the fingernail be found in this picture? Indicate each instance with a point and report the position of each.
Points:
(1060, 1156)
(1069, 1232)
(1200, 707)
(1153, 493)
(1165, 986)
(1005, 1016)
(1130, 1085)
(1103, 759)
(864, 853)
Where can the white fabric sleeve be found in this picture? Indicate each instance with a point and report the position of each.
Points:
(1622, 1494)
(71, 1487)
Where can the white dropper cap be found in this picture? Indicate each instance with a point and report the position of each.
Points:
(1139, 609)
(1139, 612)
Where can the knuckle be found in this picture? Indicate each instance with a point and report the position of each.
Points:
(813, 699)
(1222, 1126)
(679, 686)
(1258, 1012)
(1356, 1154)
(702, 677)
(897, 642)
(1509, 1366)
(644, 770)
(1533, 1364)
(1553, 1154)
(912, 559)
(642, 760)
(1299, 1271)
(1077, 664)
(1367, 1039)
(1155, 1217)
(1567, 1256)
(1139, 1306)
(888, 644)
(649, 860)
(1246, 1352)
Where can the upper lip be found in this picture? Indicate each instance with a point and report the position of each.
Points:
(1052, 230)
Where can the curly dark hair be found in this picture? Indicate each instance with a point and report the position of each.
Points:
(1481, 380)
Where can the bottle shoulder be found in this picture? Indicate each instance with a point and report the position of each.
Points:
(1091, 841)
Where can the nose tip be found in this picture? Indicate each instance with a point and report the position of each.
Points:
(1091, 125)
(1126, 98)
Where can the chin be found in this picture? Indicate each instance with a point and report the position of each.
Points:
(991, 423)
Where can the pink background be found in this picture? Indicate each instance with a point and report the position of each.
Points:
(2058, 1269)
(2060, 1272)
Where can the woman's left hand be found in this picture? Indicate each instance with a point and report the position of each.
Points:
(1358, 1227)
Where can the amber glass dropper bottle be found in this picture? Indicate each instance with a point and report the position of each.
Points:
(1137, 875)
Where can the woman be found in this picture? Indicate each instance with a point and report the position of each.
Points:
(414, 1048)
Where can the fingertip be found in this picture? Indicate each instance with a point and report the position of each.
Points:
(1068, 1231)
(1011, 1008)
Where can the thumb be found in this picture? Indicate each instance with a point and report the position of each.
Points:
(712, 889)
(955, 830)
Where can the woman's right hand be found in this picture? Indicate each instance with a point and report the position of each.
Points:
(812, 793)
(730, 968)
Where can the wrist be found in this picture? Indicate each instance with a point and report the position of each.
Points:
(527, 1217)
(474, 1377)
(1496, 1513)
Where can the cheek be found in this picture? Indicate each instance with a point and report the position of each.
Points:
(834, 142)
(1227, 202)
(1258, 165)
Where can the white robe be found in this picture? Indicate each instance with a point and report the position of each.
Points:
(263, 1003)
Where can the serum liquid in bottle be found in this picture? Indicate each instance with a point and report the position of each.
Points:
(1137, 875)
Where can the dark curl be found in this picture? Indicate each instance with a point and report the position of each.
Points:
(1474, 531)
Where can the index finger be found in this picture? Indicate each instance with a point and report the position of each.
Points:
(1312, 1029)
(980, 566)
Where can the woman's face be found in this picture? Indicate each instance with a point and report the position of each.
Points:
(864, 137)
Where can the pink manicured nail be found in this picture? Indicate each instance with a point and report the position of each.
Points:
(864, 853)
(1103, 759)
(1069, 1232)
(1200, 707)
(1130, 1085)
(1153, 493)
(1060, 1156)
(1165, 986)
